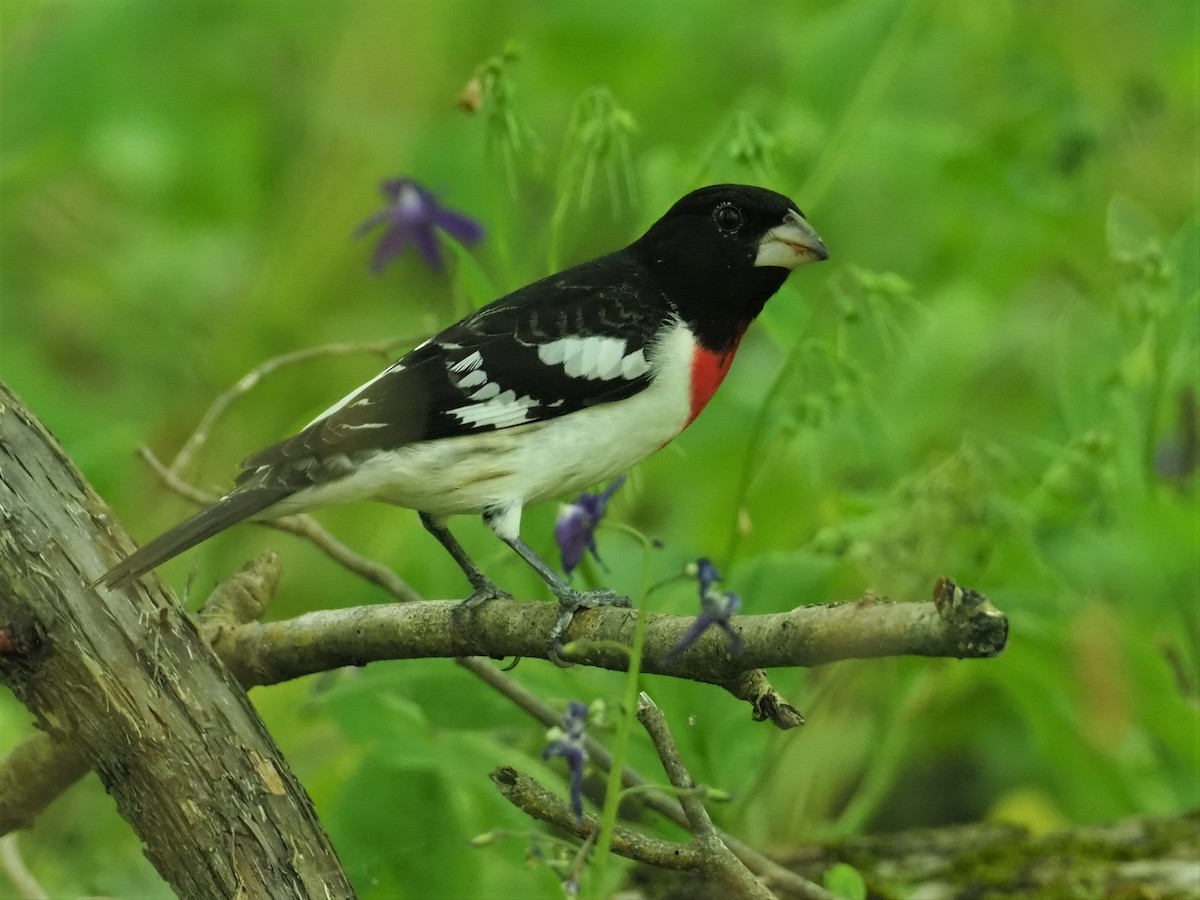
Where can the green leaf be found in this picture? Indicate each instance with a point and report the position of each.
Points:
(470, 274)
(845, 881)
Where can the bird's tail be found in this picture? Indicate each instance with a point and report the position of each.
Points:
(229, 510)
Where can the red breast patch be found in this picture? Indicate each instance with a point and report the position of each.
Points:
(708, 371)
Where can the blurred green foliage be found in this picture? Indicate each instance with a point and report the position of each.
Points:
(979, 383)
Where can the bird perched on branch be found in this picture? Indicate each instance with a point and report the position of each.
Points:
(546, 391)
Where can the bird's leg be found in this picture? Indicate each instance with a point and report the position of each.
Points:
(570, 601)
(484, 589)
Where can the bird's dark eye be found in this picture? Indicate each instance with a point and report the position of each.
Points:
(728, 217)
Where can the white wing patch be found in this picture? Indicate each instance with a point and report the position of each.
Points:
(473, 379)
(469, 377)
(634, 365)
(468, 363)
(487, 392)
(499, 409)
(594, 358)
(489, 405)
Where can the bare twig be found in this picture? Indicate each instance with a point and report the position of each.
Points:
(534, 800)
(655, 723)
(251, 379)
(718, 862)
(33, 775)
(22, 880)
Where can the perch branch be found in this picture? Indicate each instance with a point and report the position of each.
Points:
(270, 652)
(960, 623)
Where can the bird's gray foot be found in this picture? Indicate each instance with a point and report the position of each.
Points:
(482, 588)
(484, 591)
(570, 602)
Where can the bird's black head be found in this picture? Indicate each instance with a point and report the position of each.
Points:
(722, 251)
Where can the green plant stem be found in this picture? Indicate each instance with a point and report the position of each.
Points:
(620, 746)
(838, 150)
(753, 449)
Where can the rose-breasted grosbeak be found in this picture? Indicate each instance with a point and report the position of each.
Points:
(544, 392)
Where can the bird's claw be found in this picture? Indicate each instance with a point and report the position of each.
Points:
(568, 605)
(484, 591)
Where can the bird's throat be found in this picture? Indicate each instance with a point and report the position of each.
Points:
(708, 371)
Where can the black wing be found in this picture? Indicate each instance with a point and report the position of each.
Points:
(570, 341)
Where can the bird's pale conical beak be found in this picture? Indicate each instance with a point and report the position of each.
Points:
(791, 244)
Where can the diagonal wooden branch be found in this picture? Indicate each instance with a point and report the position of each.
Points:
(717, 861)
(127, 680)
(530, 797)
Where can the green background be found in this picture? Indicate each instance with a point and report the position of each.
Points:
(976, 384)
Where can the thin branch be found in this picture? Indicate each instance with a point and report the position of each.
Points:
(22, 880)
(655, 723)
(744, 684)
(719, 862)
(534, 800)
(33, 775)
(251, 379)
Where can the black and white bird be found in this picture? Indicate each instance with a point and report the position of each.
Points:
(542, 393)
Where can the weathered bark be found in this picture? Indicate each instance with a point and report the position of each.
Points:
(126, 679)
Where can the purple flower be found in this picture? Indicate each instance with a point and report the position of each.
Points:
(412, 216)
(717, 607)
(575, 527)
(1178, 455)
(567, 742)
